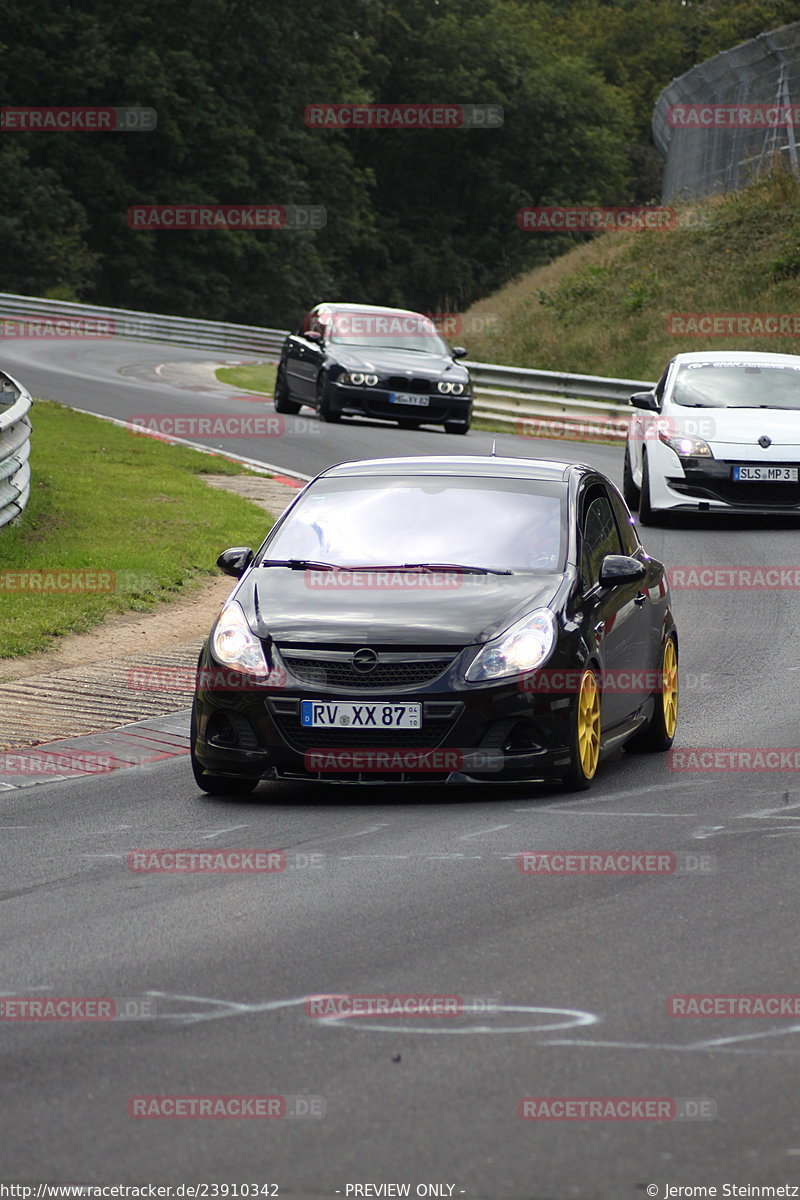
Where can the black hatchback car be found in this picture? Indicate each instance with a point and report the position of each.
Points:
(362, 360)
(438, 620)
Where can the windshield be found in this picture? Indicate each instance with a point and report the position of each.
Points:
(737, 385)
(499, 524)
(397, 331)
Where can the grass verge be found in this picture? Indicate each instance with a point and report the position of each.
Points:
(607, 306)
(254, 377)
(130, 507)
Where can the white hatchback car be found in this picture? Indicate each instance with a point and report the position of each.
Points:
(719, 433)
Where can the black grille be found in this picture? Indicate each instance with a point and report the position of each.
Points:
(417, 387)
(742, 495)
(433, 733)
(341, 674)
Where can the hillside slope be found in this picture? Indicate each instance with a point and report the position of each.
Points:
(607, 306)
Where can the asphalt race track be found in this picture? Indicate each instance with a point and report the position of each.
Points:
(418, 892)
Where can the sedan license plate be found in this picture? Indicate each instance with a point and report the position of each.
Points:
(765, 474)
(409, 398)
(336, 714)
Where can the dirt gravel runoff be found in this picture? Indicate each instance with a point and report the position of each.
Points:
(131, 666)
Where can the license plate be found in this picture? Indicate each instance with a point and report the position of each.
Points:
(765, 474)
(409, 398)
(336, 714)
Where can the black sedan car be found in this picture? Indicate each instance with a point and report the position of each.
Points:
(446, 619)
(361, 360)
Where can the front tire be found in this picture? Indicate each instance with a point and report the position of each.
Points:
(629, 489)
(659, 733)
(283, 404)
(647, 514)
(584, 735)
(326, 413)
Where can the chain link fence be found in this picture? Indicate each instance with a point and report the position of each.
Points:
(721, 122)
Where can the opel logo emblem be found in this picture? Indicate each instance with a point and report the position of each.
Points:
(364, 660)
(764, 441)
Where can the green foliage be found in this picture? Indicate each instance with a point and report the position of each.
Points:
(606, 307)
(419, 218)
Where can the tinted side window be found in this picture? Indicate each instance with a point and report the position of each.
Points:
(628, 535)
(662, 383)
(600, 537)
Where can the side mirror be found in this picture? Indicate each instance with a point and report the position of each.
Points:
(647, 400)
(235, 561)
(313, 335)
(459, 352)
(620, 568)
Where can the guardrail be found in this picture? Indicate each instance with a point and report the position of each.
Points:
(90, 320)
(15, 432)
(547, 403)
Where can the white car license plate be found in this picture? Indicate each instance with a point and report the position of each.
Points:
(765, 474)
(372, 714)
(409, 398)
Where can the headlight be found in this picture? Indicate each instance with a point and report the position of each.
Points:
(523, 647)
(355, 377)
(370, 380)
(235, 645)
(445, 386)
(456, 388)
(686, 446)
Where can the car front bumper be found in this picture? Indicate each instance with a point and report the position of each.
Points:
(506, 731)
(375, 402)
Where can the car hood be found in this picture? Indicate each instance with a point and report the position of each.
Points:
(383, 360)
(742, 426)
(453, 610)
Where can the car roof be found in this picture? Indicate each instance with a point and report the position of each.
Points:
(373, 308)
(733, 356)
(462, 466)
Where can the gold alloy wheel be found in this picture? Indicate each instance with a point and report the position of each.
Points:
(669, 687)
(589, 724)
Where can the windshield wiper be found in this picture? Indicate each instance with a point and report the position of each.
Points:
(458, 567)
(299, 564)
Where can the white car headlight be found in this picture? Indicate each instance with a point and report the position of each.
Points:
(525, 646)
(370, 380)
(686, 446)
(457, 389)
(445, 386)
(235, 645)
